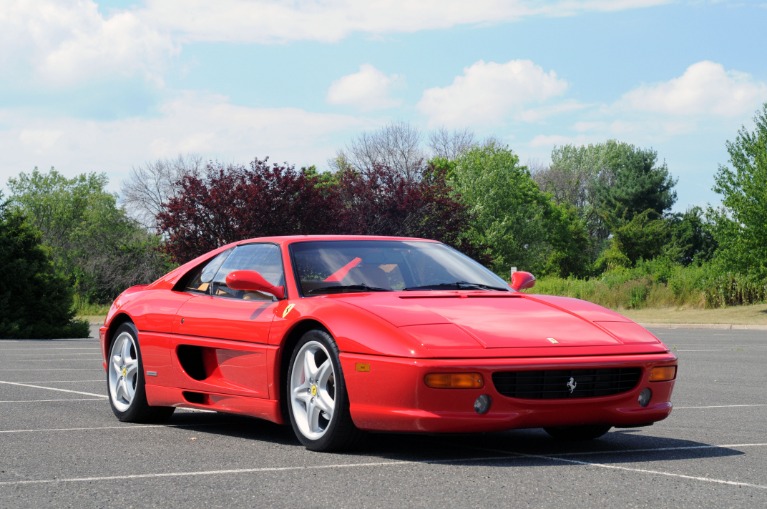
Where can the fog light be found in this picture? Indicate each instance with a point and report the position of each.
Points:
(644, 397)
(482, 404)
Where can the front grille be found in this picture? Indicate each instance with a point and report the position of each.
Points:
(566, 383)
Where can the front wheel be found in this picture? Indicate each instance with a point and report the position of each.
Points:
(578, 433)
(125, 379)
(318, 404)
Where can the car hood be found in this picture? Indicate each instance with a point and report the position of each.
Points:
(504, 320)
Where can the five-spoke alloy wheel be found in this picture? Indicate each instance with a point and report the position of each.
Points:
(317, 401)
(125, 379)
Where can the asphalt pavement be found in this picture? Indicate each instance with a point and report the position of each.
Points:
(61, 446)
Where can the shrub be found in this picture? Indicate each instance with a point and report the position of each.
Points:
(35, 300)
(734, 289)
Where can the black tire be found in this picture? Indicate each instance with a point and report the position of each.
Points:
(317, 401)
(578, 433)
(125, 379)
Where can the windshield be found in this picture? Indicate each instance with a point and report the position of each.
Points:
(324, 267)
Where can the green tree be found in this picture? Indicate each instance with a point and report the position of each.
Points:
(642, 238)
(572, 179)
(692, 239)
(91, 240)
(35, 300)
(569, 239)
(572, 176)
(741, 222)
(518, 224)
(631, 183)
(608, 184)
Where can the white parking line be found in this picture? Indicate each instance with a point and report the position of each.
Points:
(89, 349)
(653, 472)
(59, 360)
(53, 389)
(52, 369)
(120, 427)
(561, 459)
(717, 406)
(48, 355)
(505, 455)
(123, 427)
(50, 400)
(208, 472)
(658, 449)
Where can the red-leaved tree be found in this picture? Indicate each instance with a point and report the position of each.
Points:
(224, 204)
(384, 202)
(231, 203)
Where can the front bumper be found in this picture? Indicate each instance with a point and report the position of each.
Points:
(389, 394)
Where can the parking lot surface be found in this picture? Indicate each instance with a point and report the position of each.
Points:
(61, 446)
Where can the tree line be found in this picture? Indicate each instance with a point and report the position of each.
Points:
(594, 210)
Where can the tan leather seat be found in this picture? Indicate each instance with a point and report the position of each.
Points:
(369, 275)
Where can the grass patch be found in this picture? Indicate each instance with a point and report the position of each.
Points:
(661, 292)
(755, 314)
(661, 284)
(88, 311)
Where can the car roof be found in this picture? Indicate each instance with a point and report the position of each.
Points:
(290, 239)
(170, 279)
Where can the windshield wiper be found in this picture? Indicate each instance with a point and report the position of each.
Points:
(458, 285)
(346, 289)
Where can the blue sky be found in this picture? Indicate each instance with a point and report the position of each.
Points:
(110, 85)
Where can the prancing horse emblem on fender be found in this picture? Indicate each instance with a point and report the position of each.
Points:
(571, 384)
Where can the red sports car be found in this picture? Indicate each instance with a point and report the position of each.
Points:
(340, 334)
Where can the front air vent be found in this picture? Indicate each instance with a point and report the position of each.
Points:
(192, 360)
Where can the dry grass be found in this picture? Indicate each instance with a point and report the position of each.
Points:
(736, 315)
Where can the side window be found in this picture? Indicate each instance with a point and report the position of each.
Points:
(262, 258)
(200, 279)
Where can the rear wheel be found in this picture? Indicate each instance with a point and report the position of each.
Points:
(578, 433)
(318, 404)
(125, 379)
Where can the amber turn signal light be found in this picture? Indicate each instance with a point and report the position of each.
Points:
(662, 373)
(454, 380)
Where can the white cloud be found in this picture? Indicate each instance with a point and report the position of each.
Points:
(573, 7)
(40, 140)
(488, 92)
(367, 90)
(705, 88)
(705, 100)
(193, 123)
(67, 42)
(63, 42)
(270, 21)
(550, 110)
(686, 119)
(549, 141)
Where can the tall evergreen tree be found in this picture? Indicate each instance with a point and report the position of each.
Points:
(611, 185)
(35, 300)
(632, 183)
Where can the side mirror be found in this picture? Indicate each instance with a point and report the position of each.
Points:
(521, 280)
(252, 281)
